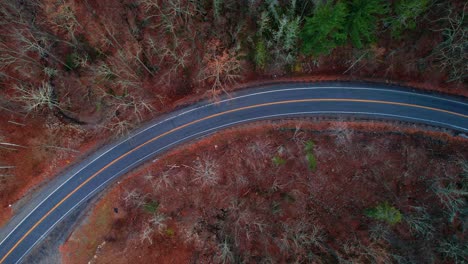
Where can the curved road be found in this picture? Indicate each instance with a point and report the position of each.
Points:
(83, 181)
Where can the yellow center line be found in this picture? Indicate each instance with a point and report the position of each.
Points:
(203, 119)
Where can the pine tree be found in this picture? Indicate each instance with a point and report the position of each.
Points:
(406, 15)
(325, 30)
(364, 20)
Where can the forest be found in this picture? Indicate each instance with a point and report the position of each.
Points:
(108, 63)
(75, 75)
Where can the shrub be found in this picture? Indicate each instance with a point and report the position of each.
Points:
(278, 161)
(151, 207)
(384, 212)
(363, 21)
(169, 232)
(325, 30)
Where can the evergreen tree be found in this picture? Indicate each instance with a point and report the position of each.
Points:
(406, 14)
(363, 20)
(325, 30)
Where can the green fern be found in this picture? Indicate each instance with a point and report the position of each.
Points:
(278, 161)
(151, 207)
(384, 212)
(309, 146)
(260, 54)
(311, 161)
(310, 157)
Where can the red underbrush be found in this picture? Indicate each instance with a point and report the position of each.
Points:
(291, 191)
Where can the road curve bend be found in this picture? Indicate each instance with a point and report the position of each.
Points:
(80, 183)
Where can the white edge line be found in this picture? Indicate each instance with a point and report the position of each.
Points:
(203, 132)
(207, 105)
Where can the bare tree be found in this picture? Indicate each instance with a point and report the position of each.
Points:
(8, 145)
(206, 171)
(220, 70)
(225, 254)
(31, 39)
(157, 221)
(123, 68)
(66, 19)
(120, 70)
(344, 135)
(14, 12)
(451, 53)
(119, 127)
(164, 180)
(126, 111)
(171, 14)
(10, 55)
(262, 148)
(35, 99)
(301, 236)
(147, 234)
(136, 106)
(134, 198)
(299, 136)
(175, 56)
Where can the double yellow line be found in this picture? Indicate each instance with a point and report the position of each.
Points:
(203, 119)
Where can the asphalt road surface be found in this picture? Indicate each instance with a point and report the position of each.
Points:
(79, 184)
